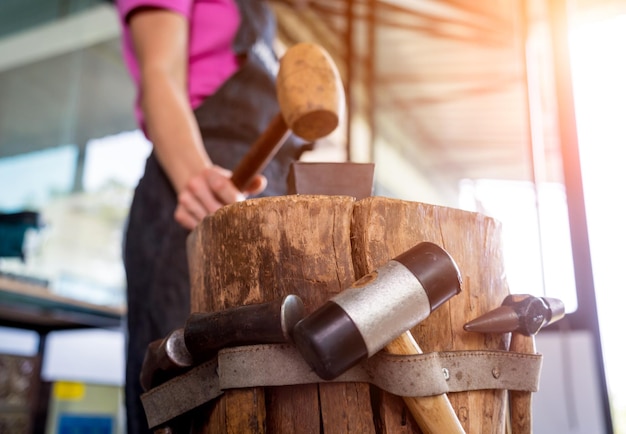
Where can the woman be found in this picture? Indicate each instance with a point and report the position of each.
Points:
(205, 76)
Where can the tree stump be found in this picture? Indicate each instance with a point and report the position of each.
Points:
(316, 246)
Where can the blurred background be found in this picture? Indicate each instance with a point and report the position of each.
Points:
(511, 108)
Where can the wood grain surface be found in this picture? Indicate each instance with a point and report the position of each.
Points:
(384, 228)
(262, 249)
(316, 246)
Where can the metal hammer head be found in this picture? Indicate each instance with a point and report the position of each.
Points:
(269, 322)
(525, 314)
(207, 332)
(164, 357)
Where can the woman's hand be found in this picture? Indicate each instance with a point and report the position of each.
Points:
(207, 192)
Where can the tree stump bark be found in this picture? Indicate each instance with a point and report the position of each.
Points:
(314, 247)
(262, 249)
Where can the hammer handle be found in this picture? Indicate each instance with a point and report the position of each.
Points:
(520, 402)
(433, 414)
(261, 152)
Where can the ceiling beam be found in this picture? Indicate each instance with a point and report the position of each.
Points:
(65, 35)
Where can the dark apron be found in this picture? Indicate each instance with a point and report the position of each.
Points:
(158, 295)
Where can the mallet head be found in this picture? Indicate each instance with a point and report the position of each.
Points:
(309, 91)
(361, 320)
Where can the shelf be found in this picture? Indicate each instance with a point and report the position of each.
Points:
(29, 306)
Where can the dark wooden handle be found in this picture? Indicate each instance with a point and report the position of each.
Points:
(261, 152)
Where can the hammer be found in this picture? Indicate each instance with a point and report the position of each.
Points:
(311, 100)
(523, 315)
(206, 333)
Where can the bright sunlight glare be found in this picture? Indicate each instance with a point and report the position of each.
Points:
(599, 76)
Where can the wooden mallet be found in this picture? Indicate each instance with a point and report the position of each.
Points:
(311, 100)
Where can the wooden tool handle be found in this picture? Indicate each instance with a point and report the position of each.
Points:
(433, 414)
(261, 152)
(520, 403)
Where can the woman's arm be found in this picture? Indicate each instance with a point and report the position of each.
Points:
(160, 43)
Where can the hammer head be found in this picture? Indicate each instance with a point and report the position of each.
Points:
(164, 357)
(525, 314)
(207, 332)
(535, 312)
(309, 91)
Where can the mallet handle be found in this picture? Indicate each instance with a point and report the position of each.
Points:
(261, 152)
(433, 414)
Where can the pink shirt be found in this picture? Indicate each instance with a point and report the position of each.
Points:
(213, 25)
